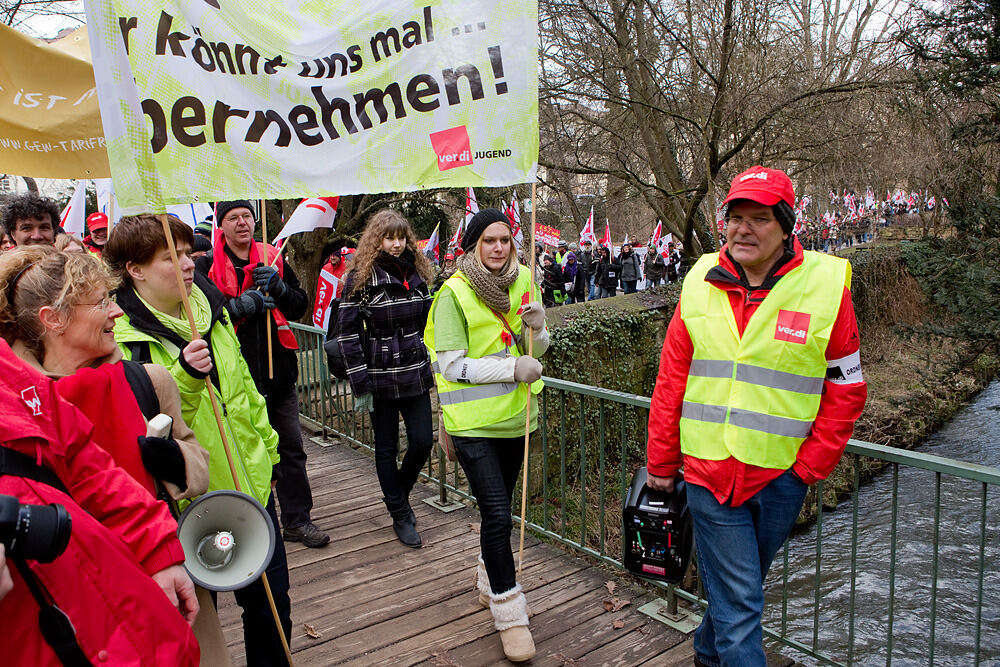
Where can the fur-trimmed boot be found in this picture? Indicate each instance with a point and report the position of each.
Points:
(482, 582)
(510, 617)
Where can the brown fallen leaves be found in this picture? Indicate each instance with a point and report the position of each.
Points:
(312, 631)
(475, 527)
(565, 660)
(615, 603)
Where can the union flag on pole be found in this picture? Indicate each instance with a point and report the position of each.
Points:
(655, 236)
(606, 240)
(310, 214)
(71, 218)
(432, 246)
(471, 207)
(514, 215)
(587, 233)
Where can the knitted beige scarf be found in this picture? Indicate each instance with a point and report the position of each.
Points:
(490, 287)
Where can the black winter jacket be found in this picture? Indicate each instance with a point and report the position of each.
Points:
(382, 327)
(253, 334)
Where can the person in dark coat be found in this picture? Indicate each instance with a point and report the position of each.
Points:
(574, 279)
(264, 292)
(654, 265)
(631, 268)
(608, 274)
(381, 319)
(552, 282)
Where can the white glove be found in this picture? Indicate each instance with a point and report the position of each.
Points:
(527, 369)
(364, 403)
(533, 316)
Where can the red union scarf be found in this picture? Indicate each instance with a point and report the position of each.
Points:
(223, 274)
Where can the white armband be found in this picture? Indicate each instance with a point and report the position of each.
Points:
(846, 370)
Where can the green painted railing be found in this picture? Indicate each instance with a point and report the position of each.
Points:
(590, 441)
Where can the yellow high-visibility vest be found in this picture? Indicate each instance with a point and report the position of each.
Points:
(755, 398)
(467, 406)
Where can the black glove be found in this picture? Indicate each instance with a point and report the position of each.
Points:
(163, 459)
(267, 279)
(249, 303)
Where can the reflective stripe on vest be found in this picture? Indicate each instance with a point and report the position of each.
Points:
(466, 406)
(755, 396)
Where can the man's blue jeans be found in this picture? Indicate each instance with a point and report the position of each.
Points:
(591, 294)
(735, 547)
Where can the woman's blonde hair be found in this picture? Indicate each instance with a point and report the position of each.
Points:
(65, 240)
(511, 258)
(386, 224)
(35, 276)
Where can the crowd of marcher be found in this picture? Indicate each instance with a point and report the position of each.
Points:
(148, 317)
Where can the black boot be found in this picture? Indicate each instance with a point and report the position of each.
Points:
(404, 526)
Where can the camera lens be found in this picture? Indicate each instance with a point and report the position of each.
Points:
(42, 532)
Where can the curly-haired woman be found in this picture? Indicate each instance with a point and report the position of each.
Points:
(381, 322)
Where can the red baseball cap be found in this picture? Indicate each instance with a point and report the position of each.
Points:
(762, 185)
(97, 221)
(345, 251)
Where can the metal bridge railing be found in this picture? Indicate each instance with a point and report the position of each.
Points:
(835, 594)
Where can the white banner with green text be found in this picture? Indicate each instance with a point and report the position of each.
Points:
(215, 99)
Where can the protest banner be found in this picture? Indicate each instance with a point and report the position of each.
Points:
(50, 124)
(547, 235)
(384, 96)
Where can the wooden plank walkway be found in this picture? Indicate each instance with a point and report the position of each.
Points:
(377, 602)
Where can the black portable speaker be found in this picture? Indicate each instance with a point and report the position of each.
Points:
(658, 533)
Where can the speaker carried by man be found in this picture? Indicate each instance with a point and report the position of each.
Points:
(227, 538)
(658, 532)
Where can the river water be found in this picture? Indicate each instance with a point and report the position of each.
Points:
(973, 436)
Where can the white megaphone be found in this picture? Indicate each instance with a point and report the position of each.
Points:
(228, 540)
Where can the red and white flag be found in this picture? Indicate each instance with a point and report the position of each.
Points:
(433, 246)
(326, 292)
(456, 238)
(471, 207)
(587, 233)
(606, 240)
(655, 236)
(514, 215)
(310, 214)
(663, 244)
(72, 217)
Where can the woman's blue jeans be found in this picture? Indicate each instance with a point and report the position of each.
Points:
(491, 466)
(735, 547)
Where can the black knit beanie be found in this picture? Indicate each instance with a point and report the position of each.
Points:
(224, 207)
(480, 221)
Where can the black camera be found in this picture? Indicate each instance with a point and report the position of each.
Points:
(34, 532)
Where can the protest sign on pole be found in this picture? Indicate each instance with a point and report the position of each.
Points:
(384, 96)
(50, 124)
(310, 214)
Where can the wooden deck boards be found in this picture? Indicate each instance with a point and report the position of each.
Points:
(377, 602)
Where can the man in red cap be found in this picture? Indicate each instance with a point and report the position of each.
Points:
(97, 223)
(758, 390)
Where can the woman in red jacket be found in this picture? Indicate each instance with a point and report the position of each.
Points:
(120, 581)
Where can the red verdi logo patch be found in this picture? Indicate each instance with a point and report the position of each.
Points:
(792, 326)
(452, 147)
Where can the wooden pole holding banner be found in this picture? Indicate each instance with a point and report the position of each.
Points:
(527, 412)
(267, 314)
(186, 304)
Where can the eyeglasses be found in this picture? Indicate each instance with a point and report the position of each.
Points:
(754, 223)
(103, 304)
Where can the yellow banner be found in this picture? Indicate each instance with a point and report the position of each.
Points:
(50, 123)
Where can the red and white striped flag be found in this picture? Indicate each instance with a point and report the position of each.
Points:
(471, 207)
(310, 214)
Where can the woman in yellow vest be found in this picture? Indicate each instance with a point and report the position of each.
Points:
(477, 336)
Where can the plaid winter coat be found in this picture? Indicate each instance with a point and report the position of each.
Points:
(381, 330)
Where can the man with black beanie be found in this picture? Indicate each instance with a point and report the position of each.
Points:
(264, 292)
